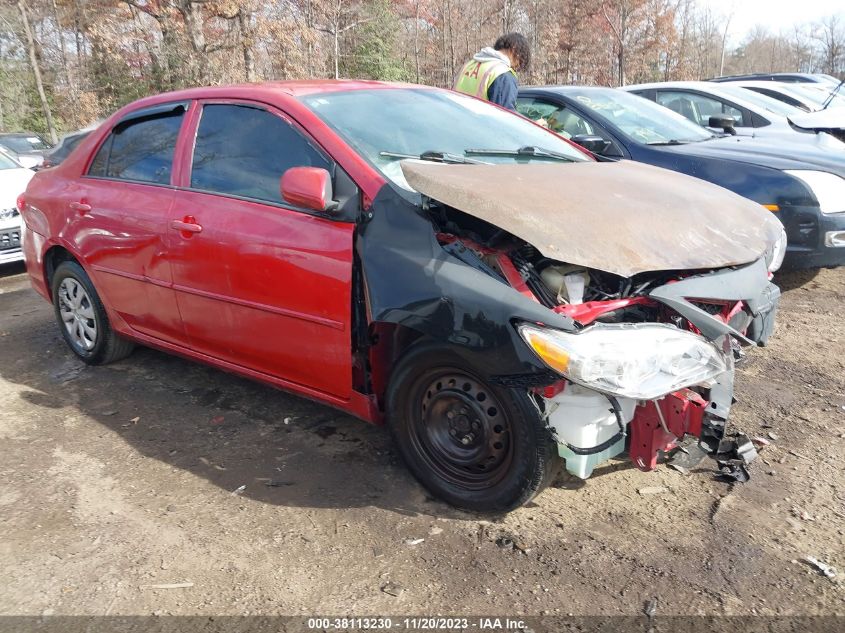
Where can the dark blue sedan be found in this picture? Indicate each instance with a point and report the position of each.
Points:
(804, 187)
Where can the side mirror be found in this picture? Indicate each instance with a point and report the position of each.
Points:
(309, 188)
(724, 122)
(591, 142)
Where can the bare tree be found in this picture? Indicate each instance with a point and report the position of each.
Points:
(36, 72)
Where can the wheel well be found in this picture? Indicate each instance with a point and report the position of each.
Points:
(52, 259)
(390, 341)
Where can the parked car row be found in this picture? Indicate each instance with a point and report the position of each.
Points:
(13, 180)
(800, 177)
(20, 155)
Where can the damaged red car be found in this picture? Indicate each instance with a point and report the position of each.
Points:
(406, 254)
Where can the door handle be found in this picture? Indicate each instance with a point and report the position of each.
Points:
(188, 225)
(81, 207)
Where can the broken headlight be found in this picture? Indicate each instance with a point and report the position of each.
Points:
(640, 361)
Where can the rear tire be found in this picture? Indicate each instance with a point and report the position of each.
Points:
(82, 318)
(477, 446)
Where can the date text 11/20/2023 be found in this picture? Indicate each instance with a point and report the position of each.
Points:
(419, 623)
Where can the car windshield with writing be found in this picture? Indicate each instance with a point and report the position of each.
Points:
(641, 120)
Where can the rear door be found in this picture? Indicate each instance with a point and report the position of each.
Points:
(260, 283)
(119, 219)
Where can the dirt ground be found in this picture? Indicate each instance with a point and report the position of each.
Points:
(119, 478)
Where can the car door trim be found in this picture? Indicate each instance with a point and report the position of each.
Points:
(302, 316)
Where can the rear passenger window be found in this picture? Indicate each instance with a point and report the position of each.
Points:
(140, 149)
(243, 151)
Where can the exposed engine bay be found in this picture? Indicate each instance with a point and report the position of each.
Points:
(590, 425)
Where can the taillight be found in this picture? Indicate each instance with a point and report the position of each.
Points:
(21, 203)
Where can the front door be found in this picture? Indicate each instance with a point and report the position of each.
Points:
(259, 283)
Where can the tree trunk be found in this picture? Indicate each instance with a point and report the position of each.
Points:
(336, 50)
(246, 44)
(36, 72)
(192, 14)
(417, 41)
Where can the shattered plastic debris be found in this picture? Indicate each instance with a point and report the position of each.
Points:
(650, 608)
(217, 420)
(823, 568)
(733, 457)
(238, 490)
(653, 490)
(679, 468)
(393, 589)
(414, 541)
(798, 513)
(689, 455)
(733, 471)
(511, 543)
(505, 542)
(760, 441)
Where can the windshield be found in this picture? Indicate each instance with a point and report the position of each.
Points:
(641, 120)
(20, 144)
(410, 122)
(818, 94)
(7, 163)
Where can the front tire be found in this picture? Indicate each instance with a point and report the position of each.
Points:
(82, 318)
(478, 446)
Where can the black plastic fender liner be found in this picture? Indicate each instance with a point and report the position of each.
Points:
(412, 281)
(748, 283)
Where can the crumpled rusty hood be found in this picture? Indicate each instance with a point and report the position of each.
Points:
(623, 218)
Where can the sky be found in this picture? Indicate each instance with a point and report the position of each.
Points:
(776, 15)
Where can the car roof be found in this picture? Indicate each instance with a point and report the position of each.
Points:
(801, 77)
(731, 91)
(267, 91)
(566, 89)
(289, 88)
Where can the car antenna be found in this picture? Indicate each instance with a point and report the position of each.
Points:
(832, 95)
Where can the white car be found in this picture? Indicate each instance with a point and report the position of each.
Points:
(806, 97)
(754, 113)
(13, 181)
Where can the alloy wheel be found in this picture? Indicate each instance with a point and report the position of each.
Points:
(77, 313)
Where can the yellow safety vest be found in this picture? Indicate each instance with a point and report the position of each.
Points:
(476, 77)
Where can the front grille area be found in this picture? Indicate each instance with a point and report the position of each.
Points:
(10, 238)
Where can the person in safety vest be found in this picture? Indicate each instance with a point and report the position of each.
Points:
(491, 74)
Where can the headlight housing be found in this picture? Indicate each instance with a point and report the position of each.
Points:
(827, 188)
(775, 254)
(640, 361)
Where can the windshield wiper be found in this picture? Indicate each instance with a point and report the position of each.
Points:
(527, 151)
(437, 157)
(673, 141)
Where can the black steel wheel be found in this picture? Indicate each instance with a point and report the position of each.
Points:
(476, 445)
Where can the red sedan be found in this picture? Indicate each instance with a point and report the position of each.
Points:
(412, 255)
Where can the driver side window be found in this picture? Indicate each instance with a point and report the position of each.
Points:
(558, 119)
(244, 150)
(563, 121)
